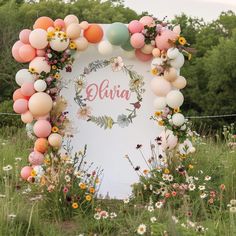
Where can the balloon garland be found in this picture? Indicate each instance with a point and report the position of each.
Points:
(49, 48)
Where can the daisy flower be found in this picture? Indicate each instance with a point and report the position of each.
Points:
(7, 168)
(113, 215)
(203, 195)
(126, 200)
(150, 208)
(117, 64)
(153, 219)
(232, 209)
(141, 229)
(159, 205)
(207, 178)
(84, 112)
(97, 216)
(201, 187)
(233, 202)
(191, 187)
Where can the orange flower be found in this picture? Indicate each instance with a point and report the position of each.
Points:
(154, 71)
(75, 205)
(161, 122)
(167, 195)
(82, 186)
(158, 113)
(145, 172)
(173, 193)
(55, 129)
(182, 40)
(57, 76)
(176, 110)
(222, 187)
(88, 198)
(92, 190)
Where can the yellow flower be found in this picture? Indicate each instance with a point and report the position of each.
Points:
(32, 70)
(64, 35)
(88, 198)
(190, 166)
(55, 129)
(72, 45)
(33, 173)
(182, 40)
(51, 34)
(145, 172)
(47, 161)
(97, 181)
(176, 110)
(158, 113)
(54, 67)
(57, 76)
(161, 122)
(57, 28)
(75, 205)
(82, 185)
(92, 190)
(166, 171)
(43, 181)
(154, 71)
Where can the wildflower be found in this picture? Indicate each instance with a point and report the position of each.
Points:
(2, 195)
(191, 187)
(72, 45)
(57, 28)
(117, 64)
(233, 202)
(150, 208)
(97, 216)
(182, 40)
(75, 205)
(141, 229)
(123, 121)
(159, 205)
(190, 166)
(165, 177)
(104, 214)
(88, 198)
(67, 178)
(7, 168)
(166, 171)
(65, 189)
(80, 84)
(54, 67)
(167, 195)
(33, 173)
(161, 122)
(211, 201)
(174, 218)
(154, 71)
(12, 216)
(153, 219)
(92, 190)
(203, 195)
(82, 186)
(232, 209)
(84, 112)
(32, 70)
(113, 215)
(173, 193)
(55, 129)
(126, 200)
(176, 110)
(207, 178)
(222, 187)
(200, 228)
(18, 159)
(201, 187)
(145, 172)
(57, 76)
(170, 178)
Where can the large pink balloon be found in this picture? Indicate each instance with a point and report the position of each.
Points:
(40, 64)
(20, 106)
(24, 36)
(135, 26)
(27, 89)
(142, 56)
(146, 20)
(36, 158)
(59, 23)
(160, 86)
(26, 172)
(137, 40)
(162, 41)
(27, 52)
(39, 38)
(15, 51)
(42, 128)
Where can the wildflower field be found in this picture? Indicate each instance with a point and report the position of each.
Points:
(209, 208)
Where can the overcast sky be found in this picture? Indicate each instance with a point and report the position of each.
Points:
(207, 9)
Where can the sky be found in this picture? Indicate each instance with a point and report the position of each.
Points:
(206, 9)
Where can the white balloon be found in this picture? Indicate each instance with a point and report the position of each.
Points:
(24, 76)
(58, 43)
(156, 62)
(40, 85)
(172, 53)
(159, 103)
(128, 54)
(174, 99)
(178, 62)
(178, 119)
(105, 48)
(147, 49)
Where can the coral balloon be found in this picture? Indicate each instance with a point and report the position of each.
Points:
(94, 33)
(15, 51)
(73, 30)
(170, 74)
(84, 25)
(146, 20)
(24, 36)
(137, 40)
(81, 43)
(156, 52)
(55, 140)
(59, 23)
(27, 89)
(20, 106)
(42, 128)
(180, 82)
(41, 145)
(174, 99)
(147, 49)
(36, 158)
(40, 104)
(141, 56)
(135, 27)
(24, 76)
(160, 87)
(70, 19)
(43, 22)
(162, 40)
(59, 43)
(39, 64)
(17, 95)
(38, 38)
(27, 117)
(27, 53)
(26, 172)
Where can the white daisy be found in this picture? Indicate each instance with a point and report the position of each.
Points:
(165, 177)
(232, 209)
(207, 178)
(201, 187)
(170, 178)
(12, 216)
(233, 202)
(7, 168)
(18, 159)
(2, 195)
(126, 200)
(67, 178)
(203, 195)
(141, 229)
(153, 219)
(113, 215)
(159, 205)
(191, 187)
(200, 228)
(150, 208)
(175, 219)
(97, 216)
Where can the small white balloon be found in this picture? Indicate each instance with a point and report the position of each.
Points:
(174, 99)
(156, 62)
(24, 76)
(105, 48)
(159, 103)
(40, 85)
(178, 62)
(172, 53)
(178, 119)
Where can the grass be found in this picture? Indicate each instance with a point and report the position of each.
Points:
(21, 215)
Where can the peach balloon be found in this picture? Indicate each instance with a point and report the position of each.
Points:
(36, 158)
(43, 22)
(24, 36)
(156, 52)
(147, 49)
(73, 30)
(146, 20)
(59, 23)
(162, 41)
(41, 145)
(137, 40)
(27, 89)
(55, 140)
(46, 117)
(141, 56)
(26, 172)
(81, 43)
(17, 95)
(71, 19)
(42, 128)
(84, 25)
(40, 52)
(15, 51)
(40, 104)
(20, 106)
(40, 64)
(170, 74)
(94, 33)
(27, 52)
(180, 82)
(38, 38)
(160, 87)
(27, 117)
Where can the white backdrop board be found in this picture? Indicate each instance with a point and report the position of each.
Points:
(107, 148)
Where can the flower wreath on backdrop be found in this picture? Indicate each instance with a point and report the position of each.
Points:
(49, 48)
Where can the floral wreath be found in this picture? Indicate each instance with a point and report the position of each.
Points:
(136, 84)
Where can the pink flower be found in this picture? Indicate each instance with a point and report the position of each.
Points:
(65, 189)
(117, 64)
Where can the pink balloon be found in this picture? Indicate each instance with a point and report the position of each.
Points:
(142, 56)
(162, 41)
(24, 36)
(27, 52)
(26, 172)
(42, 128)
(40, 64)
(160, 86)
(36, 158)
(20, 106)
(15, 51)
(146, 20)
(27, 89)
(84, 25)
(46, 117)
(137, 40)
(59, 23)
(39, 38)
(135, 26)
(40, 52)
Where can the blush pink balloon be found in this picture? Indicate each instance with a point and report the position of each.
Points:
(26, 172)
(15, 51)
(160, 86)
(24, 36)
(40, 64)
(84, 25)
(36, 158)
(142, 56)
(42, 128)
(27, 53)
(40, 52)
(20, 106)
(135, 26)
(59, 23)
(146, 20)
(38, 38)
(162, 41)
(27, 117)
(137, 40)
(27, 89)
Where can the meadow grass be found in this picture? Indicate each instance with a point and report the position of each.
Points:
(20, 214)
